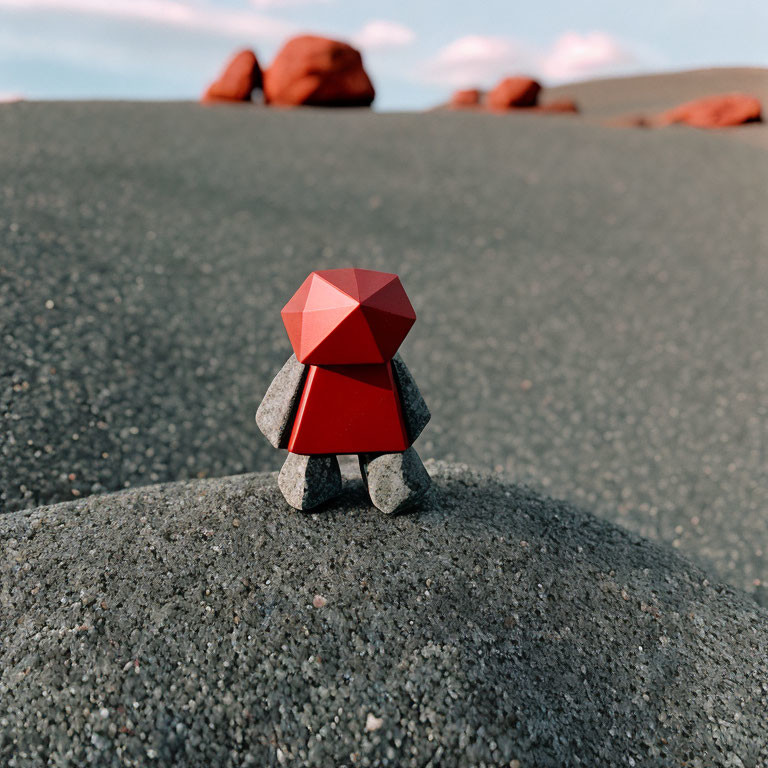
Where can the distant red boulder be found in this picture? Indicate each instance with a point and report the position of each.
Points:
(514, 92)
(466, 99)
(714, 111)
(315, 71)
(239, 78)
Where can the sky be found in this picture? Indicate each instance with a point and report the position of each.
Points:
(416, 51)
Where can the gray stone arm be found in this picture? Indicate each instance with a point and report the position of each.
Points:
(275, 414)
(415, 411)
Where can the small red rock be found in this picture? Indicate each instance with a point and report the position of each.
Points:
(466, 99)
(514, 92)
(239, 78)
(714, 111)
(316, 71)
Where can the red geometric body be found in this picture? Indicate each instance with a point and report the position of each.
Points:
(348, 316)
(349, 409)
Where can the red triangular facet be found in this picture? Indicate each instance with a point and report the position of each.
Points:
(389, 330)
(369, 282)
(291, 314)
(319, 327)
(392, 298)
(325, 295)
(298, 301)
(324, 309)
(351, 339)
(292, 322)
(343, 279)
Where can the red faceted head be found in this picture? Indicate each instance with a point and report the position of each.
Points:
(348, 317)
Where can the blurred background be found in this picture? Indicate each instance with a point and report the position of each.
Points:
(415, 52)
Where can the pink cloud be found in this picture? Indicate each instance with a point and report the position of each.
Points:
(8, 98)
(575, 56)
(380, 34)
(174, 13)
(481, 60)
(476, 60)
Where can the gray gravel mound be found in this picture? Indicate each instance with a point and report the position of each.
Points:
(592, 302)
(207, 624)
(657, 92)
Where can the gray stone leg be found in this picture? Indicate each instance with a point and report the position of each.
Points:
(395, 481)
(308, 481)
(415, 411)
(275, 415)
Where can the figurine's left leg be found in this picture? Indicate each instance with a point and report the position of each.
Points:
(395, 481)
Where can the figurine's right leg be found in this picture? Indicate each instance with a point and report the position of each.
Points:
(308, 481)
(395, 481)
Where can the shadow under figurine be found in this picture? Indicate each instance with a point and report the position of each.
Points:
(346, 391)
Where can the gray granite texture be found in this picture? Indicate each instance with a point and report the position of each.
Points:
(275, 413)
(207, 623)
(395, 481)
(307, 482)
(415, 410)
(592, 301)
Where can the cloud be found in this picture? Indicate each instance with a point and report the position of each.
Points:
(481, 60)
(575, 56)
(172, 13)
(9, 97)
(380, 35)
(476, 60)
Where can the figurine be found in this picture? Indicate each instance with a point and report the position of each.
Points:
(346, 391)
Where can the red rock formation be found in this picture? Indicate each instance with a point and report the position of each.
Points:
(239, 78)
(513, 92)
(466, 99)
(714, 111)
(316, 71)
